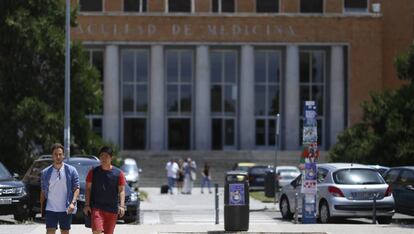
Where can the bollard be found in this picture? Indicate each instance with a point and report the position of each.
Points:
(217, 203)
(374, 210)
(296, 208)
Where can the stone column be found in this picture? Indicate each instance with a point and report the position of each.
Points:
(247, 125)
(111, 111)
(292, 102)
(337, 93)
(202, 100)
(157, 99)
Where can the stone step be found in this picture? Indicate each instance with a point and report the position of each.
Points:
(153, 163)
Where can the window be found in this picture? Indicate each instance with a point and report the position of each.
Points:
(267, 6)
(392, 176)
(356, 6)
(357, 176)
(312, 87)
(224, 76)
(223, 5)
(179, 70)
(90, 5)
(134, 73)
(135, 5)
(95, 57)
(267, 95)
(179, 5)
(406, 178)
(321, 174)
(311, 6)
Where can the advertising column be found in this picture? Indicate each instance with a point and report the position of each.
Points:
(309, 158)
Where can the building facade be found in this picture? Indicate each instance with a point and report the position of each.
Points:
(213, 74)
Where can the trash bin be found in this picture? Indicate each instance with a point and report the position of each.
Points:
(269, 188)
(236, 201)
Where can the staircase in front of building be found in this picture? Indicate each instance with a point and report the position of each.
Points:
(153, 163)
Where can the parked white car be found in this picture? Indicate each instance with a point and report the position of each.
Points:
(344, 190)
(131, 171)
(287, 174)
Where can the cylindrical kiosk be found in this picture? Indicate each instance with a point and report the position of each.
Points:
(236, 201)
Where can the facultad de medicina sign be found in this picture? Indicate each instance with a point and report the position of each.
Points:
(99, 30)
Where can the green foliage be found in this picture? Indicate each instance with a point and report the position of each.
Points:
(32, 65)
(386, 133)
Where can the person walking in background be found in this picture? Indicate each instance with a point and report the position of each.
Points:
(180, 176)
(206, 178)
(190, 170)
(105, 194)
(172, 171)
(60, 190)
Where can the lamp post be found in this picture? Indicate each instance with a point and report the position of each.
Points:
(67, 82)
(275, 163)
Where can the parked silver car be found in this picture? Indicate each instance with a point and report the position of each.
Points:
(344, 191)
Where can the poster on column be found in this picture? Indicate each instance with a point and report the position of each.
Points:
(309, 183)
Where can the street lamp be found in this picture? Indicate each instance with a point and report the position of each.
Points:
(67, 82)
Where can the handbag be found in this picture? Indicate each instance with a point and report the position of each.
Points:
(193, 175)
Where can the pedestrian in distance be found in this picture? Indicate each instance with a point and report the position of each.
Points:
(206, 178)
(105, 194)
(172, 170)
(59, 192)
(190, 175)
(180, 176)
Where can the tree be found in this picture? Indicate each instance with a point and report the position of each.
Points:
(386, 133)
(32, 63)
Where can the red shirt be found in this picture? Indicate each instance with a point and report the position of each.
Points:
(121, 181)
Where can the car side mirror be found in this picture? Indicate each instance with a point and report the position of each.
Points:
(16, 176)
(410, 187)
(293, 183)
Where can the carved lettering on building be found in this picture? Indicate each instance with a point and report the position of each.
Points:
(185, 30)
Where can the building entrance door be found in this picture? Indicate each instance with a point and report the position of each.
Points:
(179, 134)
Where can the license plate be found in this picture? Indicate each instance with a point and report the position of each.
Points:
(259, 179)
(363, 195)
(5, 201)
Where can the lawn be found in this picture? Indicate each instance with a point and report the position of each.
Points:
(259, 195)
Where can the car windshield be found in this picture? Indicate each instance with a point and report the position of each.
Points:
(258, 170)
(357, 176)
(129, 168)
(83, 169)
(4, 173)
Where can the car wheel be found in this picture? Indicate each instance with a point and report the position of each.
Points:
(285, 209)
(384, 219)
(324, 214)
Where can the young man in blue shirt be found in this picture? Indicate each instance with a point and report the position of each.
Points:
(60, 190)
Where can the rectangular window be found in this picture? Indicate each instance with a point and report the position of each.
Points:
(267, 72)
(134, 86)
(90, 5)
(311, 6)
(95, 58)
(179, 5)
(356, 6)
(223, 72)
(312, 72)
(179, 75)
(135, 5)
(267, 6)
(223, 6)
